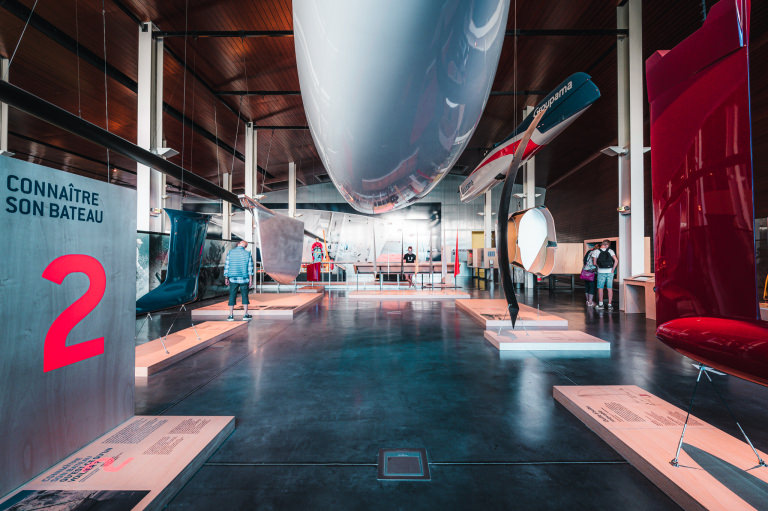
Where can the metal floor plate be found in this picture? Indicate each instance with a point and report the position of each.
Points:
(403, 464)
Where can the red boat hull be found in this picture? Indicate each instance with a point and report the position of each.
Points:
(701, 154)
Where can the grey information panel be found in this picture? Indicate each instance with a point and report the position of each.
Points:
(67, 317)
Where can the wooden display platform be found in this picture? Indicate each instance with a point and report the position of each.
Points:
(317, 288)
(640, 296)
(410, 294)
(151, 357)
(545, 340)
(492, 313)
(140, 465)
(714, 471)
(278, 305)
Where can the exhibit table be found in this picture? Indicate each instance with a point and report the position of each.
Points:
(640, 295)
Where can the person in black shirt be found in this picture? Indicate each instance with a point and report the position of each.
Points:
(410, 257)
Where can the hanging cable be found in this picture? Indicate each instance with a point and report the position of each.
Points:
(239, 112)
(266, 168)
(77, 48)
(514, 64)
(237, 132)
(21, 36)
(184, 96)
(106, 91)
(245, 73)
(216, 134)
(194, 96)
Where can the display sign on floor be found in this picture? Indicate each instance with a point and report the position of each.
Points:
(67, 317)
(138, 466)
(715, 470)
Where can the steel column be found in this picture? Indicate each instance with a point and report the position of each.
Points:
(226, 209)
(292, 189)
(630, 136)
(4, 65)
(150, 184)
(251, 175)
(636, 151)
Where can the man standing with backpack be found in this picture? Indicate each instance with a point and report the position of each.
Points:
(606, 261)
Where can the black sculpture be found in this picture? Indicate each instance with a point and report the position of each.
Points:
(503, 219)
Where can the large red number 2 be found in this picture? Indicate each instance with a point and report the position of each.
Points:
(56, 353)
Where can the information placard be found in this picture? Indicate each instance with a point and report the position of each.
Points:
(67, 314)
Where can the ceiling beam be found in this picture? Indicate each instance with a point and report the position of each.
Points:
(265, 127)
(257, 93)
(62, 39)
(520, 32)
(57, 116)
(524, 92)
(241, 34)
(567, 32)
(120, 5)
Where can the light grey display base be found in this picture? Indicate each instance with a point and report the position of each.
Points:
(545, 340)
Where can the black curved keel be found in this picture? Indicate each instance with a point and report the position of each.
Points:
(503, 219)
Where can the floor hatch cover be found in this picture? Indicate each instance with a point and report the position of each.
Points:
(403, 464)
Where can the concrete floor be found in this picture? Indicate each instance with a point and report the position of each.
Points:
(317, 397)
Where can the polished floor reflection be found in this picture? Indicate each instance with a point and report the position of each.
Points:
(317, 397)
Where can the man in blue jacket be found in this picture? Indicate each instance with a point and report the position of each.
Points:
(238, 275)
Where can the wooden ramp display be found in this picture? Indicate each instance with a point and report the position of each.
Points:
(492, 313)
(409, 294)
(545, 340)
(140, 465)
(151, 357)
(278, 305)
(716, 471)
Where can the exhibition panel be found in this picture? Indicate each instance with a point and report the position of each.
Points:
(716, 469)
(67, 319)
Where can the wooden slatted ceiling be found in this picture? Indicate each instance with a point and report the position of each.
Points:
(49, 71)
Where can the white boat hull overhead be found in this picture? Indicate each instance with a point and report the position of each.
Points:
(393, 90)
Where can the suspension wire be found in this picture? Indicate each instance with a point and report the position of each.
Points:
(245, 72)
(514, 66)
(237, 132)
(184, 96)
(266, 168)
(194, 97)
(21, 36)
(216, 127)
(239, 111)
(106, 91)
(77, 49)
